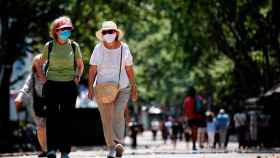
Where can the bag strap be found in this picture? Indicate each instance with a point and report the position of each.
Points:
(120, 65)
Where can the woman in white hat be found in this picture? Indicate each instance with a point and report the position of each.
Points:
(111, 61)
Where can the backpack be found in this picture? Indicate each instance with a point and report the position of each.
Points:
(50, 46)
(199, 107)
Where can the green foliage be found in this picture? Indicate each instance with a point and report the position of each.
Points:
(215, 45)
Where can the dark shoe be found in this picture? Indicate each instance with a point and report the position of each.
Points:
(111, 153)
(119, 150)
(51, 154)
(64, 155)
(194, 148)
(42, 154)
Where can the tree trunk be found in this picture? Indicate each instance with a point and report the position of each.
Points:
(5, 130)
(6, 62)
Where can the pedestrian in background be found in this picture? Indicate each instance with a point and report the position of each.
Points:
(133, 132)
(32, 90)
(155, 127)
(253, 127)
(111, 67)
(222, 124)
(164, 131)
(240, 122)
(200, 109)
(187, 134)
(191, 115)
(64, 71)
(211, 129)
(174, 132)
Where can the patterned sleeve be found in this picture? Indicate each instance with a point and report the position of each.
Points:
(27, 87)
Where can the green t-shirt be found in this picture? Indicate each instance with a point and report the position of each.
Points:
(61, 64)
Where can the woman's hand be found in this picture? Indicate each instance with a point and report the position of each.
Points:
(130, 75)
(19, 103)
(90, 94)
(77, 80)
(134, 93)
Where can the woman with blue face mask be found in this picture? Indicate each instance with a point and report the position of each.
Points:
(61, 78)
(112, 62)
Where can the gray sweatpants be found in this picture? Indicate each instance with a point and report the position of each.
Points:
(112, 116)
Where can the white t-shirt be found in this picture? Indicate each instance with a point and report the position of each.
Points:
(108, 64)
(239, 119)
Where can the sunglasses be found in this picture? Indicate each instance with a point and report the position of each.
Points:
(65, 28)
(108, 32)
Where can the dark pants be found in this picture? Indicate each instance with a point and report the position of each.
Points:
(241, 135)
(61, 100)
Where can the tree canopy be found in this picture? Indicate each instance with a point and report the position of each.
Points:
(227, 49)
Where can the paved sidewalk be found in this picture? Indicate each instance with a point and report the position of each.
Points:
(156, 149)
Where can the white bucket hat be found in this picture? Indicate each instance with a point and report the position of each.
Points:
(109, 25)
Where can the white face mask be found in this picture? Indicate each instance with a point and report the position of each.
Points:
(109, 38)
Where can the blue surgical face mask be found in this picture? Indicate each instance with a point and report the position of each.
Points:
(64, 35)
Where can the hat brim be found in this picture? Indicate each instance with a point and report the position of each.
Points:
(99, 35)
(65, 26)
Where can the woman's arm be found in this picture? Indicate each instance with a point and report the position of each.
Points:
(39, 67)
(79, 70)
(27, 87)
(25, 90)
(91, 78)
(130, 74)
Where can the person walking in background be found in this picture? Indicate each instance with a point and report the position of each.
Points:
(155, 127)
(240, 120)
(180, 128)
(164, 131)
(187, 134)
(64, 70)
(111, 63)
(174, 132)
(200, 109)
(32, 89)
(253, 128)
(222, 124)
(133, 132)
(191, 115)
(211, 129)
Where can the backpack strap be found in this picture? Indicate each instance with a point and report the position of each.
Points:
(50, 46)
(73, 46)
